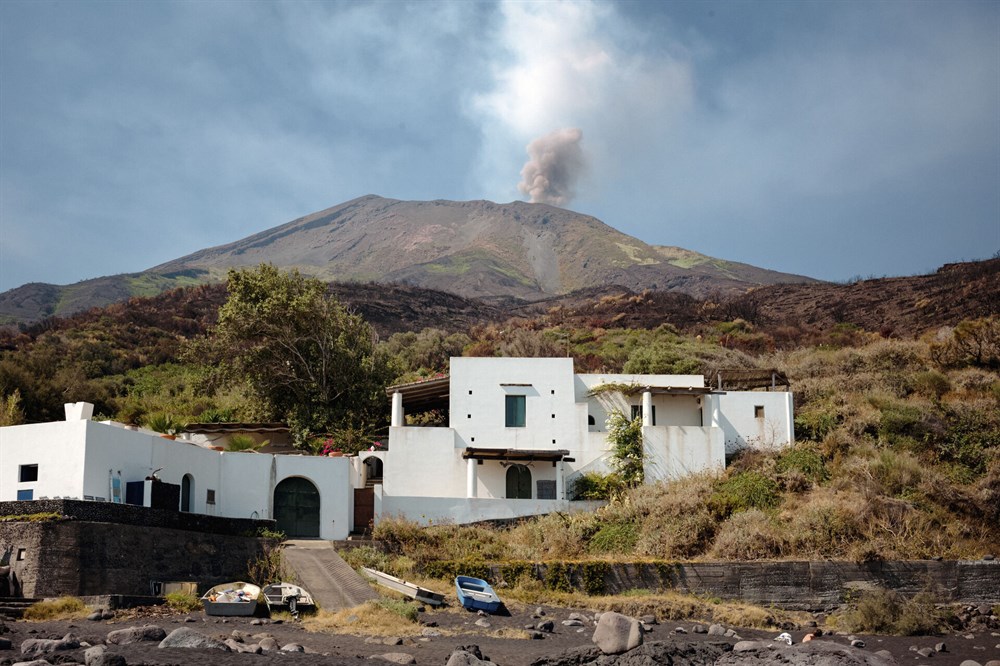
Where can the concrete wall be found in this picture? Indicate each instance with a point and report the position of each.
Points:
(424, 462)
(742, 429)
(673, 452)
(478, 390)
(459, 510)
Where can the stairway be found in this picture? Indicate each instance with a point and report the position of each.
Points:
(328, 578)
(14, 607)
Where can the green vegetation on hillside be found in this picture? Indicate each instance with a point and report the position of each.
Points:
(897, 449)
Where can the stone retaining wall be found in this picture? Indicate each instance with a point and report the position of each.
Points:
(83, 558)
(128, 514)
(789, 585)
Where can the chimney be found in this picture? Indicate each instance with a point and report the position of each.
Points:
(79, 411)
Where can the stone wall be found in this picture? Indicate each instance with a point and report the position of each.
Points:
(790, 585)
(128, 514)
(100, 548)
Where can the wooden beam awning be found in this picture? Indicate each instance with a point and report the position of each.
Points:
(424, 395)
(673, 390)
(515, 455)
(747, 379)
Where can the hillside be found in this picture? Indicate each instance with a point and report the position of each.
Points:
(475, 249)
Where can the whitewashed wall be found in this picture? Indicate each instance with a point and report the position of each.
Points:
(460, 510)
(78, 458)
(673, 452)
(424, 462)
(742, 429)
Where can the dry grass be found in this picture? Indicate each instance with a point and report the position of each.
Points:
(369, 619)
(63, 608)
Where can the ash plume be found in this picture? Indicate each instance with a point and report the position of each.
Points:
(555, 162)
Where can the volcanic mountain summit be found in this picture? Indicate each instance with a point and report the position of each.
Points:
(476, 249)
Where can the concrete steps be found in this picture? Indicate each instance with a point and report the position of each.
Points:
(14, 607)
(331, 581)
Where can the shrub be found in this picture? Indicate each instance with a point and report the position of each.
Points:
(744, 491)
(806, 460)
(749, 535)
(183, 602)
(888, 612)
(404, 609)
(63, 608)
(615, 538)
(596, 486)
(268, 567)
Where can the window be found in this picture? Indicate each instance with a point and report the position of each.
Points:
(591, 421)
(546, 489)
(637, 413)
(758, 411)
(515, 411)
(25, 495)
(210, 496)
(28, 473)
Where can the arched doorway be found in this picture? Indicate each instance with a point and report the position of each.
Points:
(296, 507)
(187, 492)
(518, 482)
(373, 469)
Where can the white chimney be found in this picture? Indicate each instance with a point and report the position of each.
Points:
(79, 411)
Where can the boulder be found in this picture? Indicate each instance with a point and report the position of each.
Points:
(149, 632)
(99, 656)
(182, 637)
(470, 656)
(247, 648)
(35, 647)
(268, 644)
(811, 653)
(547, 626)
(292, 647)
(716, 630)
(396, 658)
(616, 633)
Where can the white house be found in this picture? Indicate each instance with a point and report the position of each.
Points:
(522, 429)
(308, 496)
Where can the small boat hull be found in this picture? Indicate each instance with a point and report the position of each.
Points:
(477, 594)
(279, 596)
(231, 599)
(409, 589)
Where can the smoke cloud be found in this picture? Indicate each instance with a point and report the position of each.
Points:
(555, 162)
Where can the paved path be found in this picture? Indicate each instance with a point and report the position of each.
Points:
(331, 581)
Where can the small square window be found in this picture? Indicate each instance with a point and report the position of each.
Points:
(553, 391)
(470, 391)
(25, 495)
(28, 473)
(758, 411)
(210, 496)
(553, 416)
(20, 554)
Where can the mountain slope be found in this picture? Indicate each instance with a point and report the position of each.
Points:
(474, 249)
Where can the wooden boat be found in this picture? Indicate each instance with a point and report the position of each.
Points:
(476, 594)
(403, 587)
(279, 596)
(231, 599)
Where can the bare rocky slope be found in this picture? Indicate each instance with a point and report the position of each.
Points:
(476, 249)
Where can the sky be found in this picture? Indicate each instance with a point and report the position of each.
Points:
(831, 139)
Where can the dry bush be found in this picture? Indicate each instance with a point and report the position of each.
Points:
(676, 520)
(552, 536)
(973, 380)
(826, 525)
(749, 535)
(63, 608)
(375, 618)
(888, 612)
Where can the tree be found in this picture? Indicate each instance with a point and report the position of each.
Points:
(302, 356)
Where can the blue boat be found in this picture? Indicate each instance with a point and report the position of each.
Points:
(476, 594)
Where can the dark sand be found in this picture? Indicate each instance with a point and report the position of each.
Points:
(457, 628)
